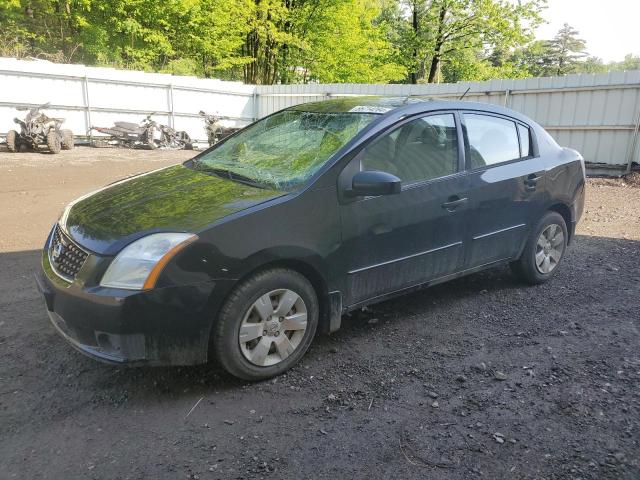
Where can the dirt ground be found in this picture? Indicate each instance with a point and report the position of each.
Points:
(479, 378)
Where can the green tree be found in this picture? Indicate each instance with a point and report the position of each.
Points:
(441, 30)
(412, 20)
(350, 44)
(482, 65)
(630, 62)
(565, 51)
(211, 39)
(41, 28)
(533, 58)
(286, 41)
(591, 65)
(325, 40)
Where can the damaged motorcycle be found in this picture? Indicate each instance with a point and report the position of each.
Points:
(214, 128)
(148, 133)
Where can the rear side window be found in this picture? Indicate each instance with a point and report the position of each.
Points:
(491, 140)
(525, 141)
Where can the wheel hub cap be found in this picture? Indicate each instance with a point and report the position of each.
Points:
(549, 248)
(273, 327)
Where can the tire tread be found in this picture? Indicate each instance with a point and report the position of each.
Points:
(524, 268)
(236, 303)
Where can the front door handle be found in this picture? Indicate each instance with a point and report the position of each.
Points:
(454, 202)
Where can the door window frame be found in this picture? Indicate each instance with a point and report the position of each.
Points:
(354, 165)
(533, 147)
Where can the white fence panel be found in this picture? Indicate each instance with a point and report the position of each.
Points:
(91, 96)
(599, 115)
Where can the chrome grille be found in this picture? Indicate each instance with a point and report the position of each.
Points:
(65, 256)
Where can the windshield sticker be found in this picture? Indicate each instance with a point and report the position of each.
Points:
(369, 109)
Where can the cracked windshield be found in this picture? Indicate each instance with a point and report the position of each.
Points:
(285, 149)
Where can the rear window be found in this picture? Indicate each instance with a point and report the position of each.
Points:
(491, 140)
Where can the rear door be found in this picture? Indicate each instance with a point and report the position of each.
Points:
(506, 186)
(397, 241)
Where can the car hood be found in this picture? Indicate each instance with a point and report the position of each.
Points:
(175, 199)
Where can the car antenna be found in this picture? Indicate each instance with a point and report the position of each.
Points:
(465, 92)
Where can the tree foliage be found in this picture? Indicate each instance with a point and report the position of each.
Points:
(564, 54)
(565, 50)
(289, 41)
(434, 32)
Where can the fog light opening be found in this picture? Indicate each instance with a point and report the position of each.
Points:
(104, 342)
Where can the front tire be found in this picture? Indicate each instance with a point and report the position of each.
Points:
(53, 142)
(151, 142)
(266, 325)
(543, 251)
(12, 138)
(186, 141)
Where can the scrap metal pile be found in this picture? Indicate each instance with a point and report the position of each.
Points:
(42, 133)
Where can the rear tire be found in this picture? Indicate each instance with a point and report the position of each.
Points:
(67, 139)
(12, 139)
(284, 336)
(544, 250)
(53, 142)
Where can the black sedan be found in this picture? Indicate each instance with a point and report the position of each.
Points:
(244, 252)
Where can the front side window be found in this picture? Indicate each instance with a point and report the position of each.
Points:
(285, 149)
(422, 149)
(491, 140)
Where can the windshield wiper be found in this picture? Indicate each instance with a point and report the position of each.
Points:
(224, 173)
(228, 174)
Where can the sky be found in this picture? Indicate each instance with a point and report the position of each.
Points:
(610, 27)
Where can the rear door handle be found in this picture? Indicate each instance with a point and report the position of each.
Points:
(531, 181)
(454, 202)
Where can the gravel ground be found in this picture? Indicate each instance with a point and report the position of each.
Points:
(479, 378)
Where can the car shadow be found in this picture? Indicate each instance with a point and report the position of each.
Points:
(32, 354)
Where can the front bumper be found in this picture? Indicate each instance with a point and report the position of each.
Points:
(165, 326)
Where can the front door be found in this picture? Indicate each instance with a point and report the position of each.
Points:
(396, 241)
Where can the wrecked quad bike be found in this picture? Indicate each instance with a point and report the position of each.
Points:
(38, 130)
(214, 128)
(148, 133)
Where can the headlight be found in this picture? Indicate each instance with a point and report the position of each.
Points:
(138, 266)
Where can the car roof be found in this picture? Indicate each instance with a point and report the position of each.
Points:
(363, 104)
(400, 105)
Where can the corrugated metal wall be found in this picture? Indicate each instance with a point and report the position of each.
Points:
(599, 115)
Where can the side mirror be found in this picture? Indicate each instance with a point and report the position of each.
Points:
(374, 183)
